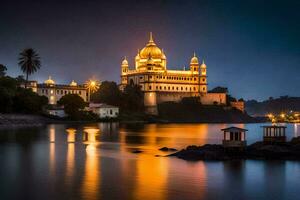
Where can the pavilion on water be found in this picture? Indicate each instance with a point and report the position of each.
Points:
(274, 134)
(234, 137)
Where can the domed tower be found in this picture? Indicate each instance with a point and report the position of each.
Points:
(157, 55)
(194, 64)
(124, 71)
(124, 66)
(203, 78)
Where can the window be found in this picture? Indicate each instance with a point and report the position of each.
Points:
(111, 111)
(203, 79)
(80, 92)
(149, 87)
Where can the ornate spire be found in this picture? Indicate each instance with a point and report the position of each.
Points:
(151, 41)
(151, 37)
(195, 54)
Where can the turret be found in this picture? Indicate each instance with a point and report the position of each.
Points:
(124, 66)
(203, 78)
(194, 64)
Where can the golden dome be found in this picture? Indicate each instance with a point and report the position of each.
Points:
(73, 83)
(194, 59)
(49, 81)
(125, 62)
(151, 50)
(163, 56)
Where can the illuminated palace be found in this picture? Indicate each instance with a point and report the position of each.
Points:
(55, 91)
(160, 84)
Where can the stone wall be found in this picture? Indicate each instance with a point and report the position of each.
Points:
(240, 105)
(213, 98)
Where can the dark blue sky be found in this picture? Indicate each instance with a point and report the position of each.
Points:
(251, 47)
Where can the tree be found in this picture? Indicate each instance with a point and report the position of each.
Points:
(72, 104)
(20, 79)
(133, 98)
(29, 61)
(3, 70)
(108, 93)
(27, 101)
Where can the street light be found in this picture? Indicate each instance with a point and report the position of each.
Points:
(92, 86)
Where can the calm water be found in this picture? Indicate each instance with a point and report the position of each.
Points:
(95, 162)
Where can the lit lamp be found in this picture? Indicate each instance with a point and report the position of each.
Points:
(92, 86)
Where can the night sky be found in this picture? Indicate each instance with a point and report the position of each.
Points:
(251, 47)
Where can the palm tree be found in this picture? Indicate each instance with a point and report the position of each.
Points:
(29, 61)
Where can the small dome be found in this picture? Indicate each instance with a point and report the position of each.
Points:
(125, 62)
(73, 83)
(49, 81)
(194, 60)
(203, 65)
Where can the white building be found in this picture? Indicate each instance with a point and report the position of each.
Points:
(55, 91)
(104, 110)
(58, 112)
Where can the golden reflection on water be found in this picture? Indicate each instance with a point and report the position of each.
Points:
(70, 155)
(91, 179)
(151, 181)
(52, 150)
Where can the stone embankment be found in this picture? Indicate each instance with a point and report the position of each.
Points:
(259, 150)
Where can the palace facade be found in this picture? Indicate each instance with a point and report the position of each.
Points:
(55, 91)
(160, 84)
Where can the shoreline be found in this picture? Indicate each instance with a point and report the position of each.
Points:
(36, 120)
(257, 151)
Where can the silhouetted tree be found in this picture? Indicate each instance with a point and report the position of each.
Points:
(3, 70)
(133, 98)
(72, 104)
(108, 93)
(27, 101)
(29, 61)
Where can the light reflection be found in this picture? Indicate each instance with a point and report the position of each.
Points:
(90, 135)
(152, 174)
(91, 180)
(295, 130)
(70, 155)
(52, 150)
(71, 134)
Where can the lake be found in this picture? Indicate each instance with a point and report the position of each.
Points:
(95, 161)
